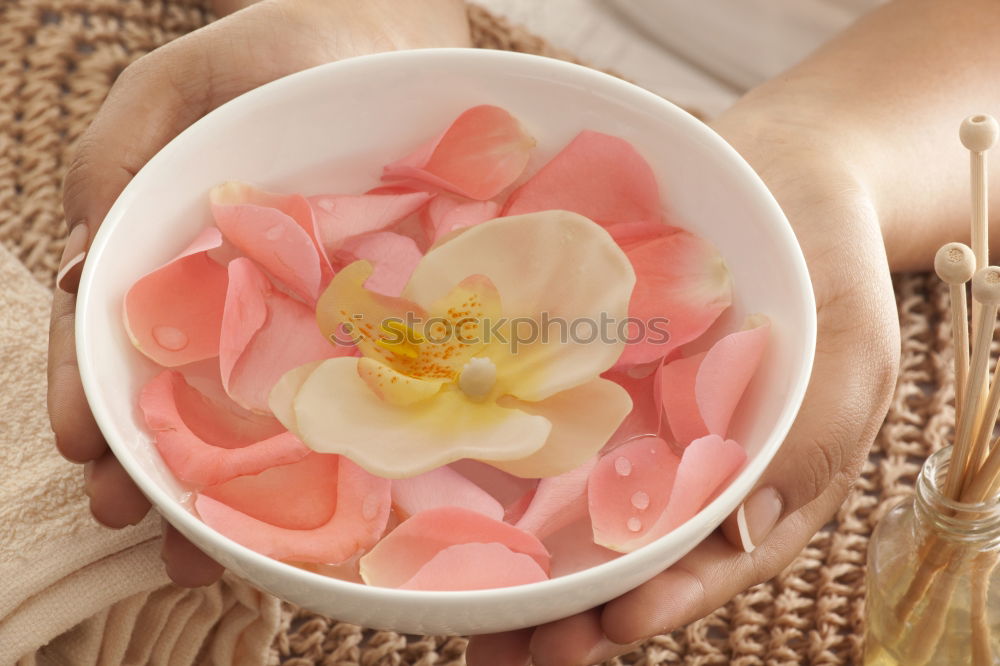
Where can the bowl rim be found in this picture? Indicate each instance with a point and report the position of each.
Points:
(176, 514)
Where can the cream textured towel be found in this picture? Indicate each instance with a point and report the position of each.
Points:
(71, 591)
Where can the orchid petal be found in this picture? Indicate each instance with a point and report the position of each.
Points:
(558, 501)
(394, 257)
(173, 315)
(701, 393)
(400, 555)
(264, 335)
(629, 490)
(402, 334)
(599, 176)
(179, 417)
(483, 151)
(582, 418)
(475, 566)
(394, 387)
(298, 496)
(682, 286)
(359, 519)
(552, 266)
(341, 217)
(442, 487)
(336, 412)
(446, 214)
(271, 238)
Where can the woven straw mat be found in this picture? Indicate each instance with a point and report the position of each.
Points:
(57, 60)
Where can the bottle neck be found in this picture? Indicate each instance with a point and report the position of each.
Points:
(976, 524)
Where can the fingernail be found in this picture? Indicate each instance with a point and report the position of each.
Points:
(71, 264)
(757, 516)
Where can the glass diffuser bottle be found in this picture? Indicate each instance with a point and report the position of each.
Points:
(933, 591)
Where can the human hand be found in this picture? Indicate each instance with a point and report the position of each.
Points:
(151, 102)
(857, 354)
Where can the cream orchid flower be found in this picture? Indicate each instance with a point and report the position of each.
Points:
(455, 387)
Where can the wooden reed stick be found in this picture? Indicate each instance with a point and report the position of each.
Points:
(978, 134)
(986, 292)
(955, 264)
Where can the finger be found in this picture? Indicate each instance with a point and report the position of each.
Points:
(77, 435)
(186, 565)
(847, 398)
(509, 648)
(578, 640)
(714, 572)
(115, 500)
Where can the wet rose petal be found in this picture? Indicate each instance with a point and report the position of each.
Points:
(271, 237)
(175, 412)
(342, 216)
(403, 552)
(446, 214)
(599, 176)
(442, 487)
(507, 489)
(264, 335)
(173, 315)
(483, 151)
(682, 286)
(392, 255)
(647, 410)
(557, 502)
(628, 491)
(475, 566)
(300, 496)
(701, 393)
(359, 519)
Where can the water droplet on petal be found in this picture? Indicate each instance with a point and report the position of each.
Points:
(170, 338)
(370, 507)
(634, 524)
(623, 466)
(640, 500)
(274, 233)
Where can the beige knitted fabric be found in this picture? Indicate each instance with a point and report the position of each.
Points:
(57, 60)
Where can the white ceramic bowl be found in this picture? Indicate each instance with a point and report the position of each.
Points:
(331, 129)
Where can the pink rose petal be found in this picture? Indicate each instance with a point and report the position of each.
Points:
(342, 216)
(573, 549)
(446, 214)
(179, 416)
(264, 335)
(599, 176)
(646, 416)
(558, 501)
(299, 496)
(677, 391)
(271, 237)
(706, 464)
(481, 153)
(514, 511)
(399, 556)
(442, 487)
(393, 256)
(628, 491)
(359, 519)
(174, 314)
(701, 393)
(680, 278)
(475, 566)
(506, 488)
